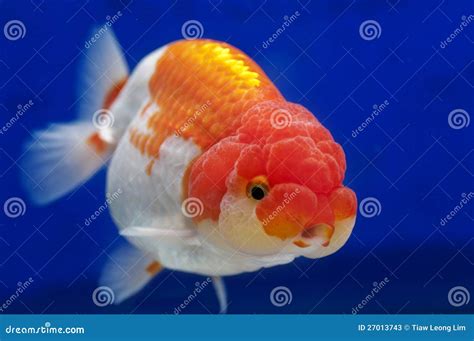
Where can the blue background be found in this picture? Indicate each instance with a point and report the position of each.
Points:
(409, 158)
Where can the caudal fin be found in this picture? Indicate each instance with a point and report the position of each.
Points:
(63, 156)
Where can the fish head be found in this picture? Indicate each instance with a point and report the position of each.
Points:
(274, 189)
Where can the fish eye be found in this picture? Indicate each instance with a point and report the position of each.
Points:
(257, 190)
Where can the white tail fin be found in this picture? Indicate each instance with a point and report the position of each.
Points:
(64, 156)
(128, 271)
(103, 69)
(61, 158)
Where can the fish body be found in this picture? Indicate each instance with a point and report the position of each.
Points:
(218, 173)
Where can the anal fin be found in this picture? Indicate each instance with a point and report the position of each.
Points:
(128, 271)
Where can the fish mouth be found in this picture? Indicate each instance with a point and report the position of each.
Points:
(321, 240)
(321, 233)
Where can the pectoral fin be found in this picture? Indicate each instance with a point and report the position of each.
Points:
(162, 234)
(221, 293)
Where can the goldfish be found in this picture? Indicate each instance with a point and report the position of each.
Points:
(217, 173)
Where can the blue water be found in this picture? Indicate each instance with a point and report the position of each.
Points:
(409, 157)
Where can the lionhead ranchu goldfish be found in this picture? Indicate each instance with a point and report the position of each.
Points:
(218, 174)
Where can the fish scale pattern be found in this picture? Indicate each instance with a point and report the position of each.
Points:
(201, 88)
